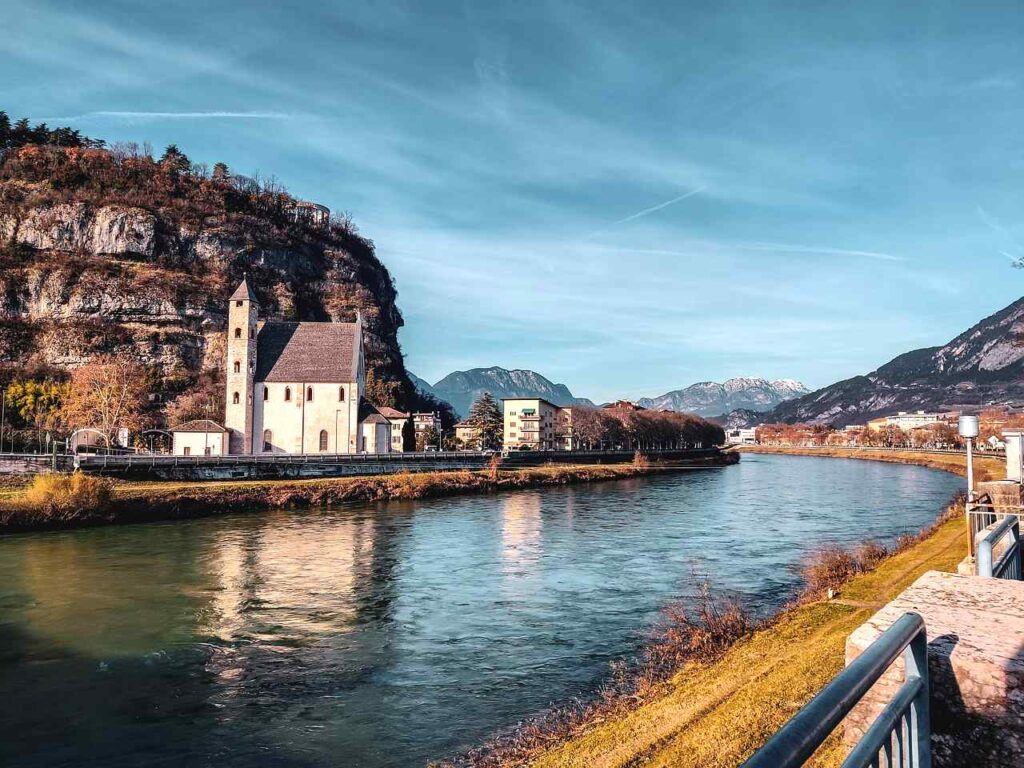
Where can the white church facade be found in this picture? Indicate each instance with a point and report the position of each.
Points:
(297, 387)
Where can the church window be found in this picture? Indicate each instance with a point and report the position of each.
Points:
(238, 333)
(234, 398)
(238, 367)
(323, 439)
(266, 394)
(268, 438)
(309, 394)
(287, 394)
(341, 394)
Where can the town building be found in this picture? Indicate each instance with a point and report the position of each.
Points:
(199, 438)
(297, 387)
(907, 421)
(532, 423)
(401, 426)
(467, 435)
(741, 435)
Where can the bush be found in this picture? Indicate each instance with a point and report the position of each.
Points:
(67, 497)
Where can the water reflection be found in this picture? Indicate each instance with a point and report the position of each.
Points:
(388, 635)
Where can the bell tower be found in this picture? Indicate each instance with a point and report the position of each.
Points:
(243, 310)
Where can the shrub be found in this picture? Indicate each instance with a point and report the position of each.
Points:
(66, 497)
(828, 568)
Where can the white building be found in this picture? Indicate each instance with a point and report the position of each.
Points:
(297, 387)
(741, 435)
(199, 438)
(399, 424)
(918, 419)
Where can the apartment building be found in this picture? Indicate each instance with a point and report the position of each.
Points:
(532, 423)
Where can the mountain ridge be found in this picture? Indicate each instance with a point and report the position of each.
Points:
(982, 365)
(712, 399)
(461, 388)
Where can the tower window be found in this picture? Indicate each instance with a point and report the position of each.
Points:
(287, 394)
(234, 398)
(238, 367)
(266, 394)
(341, 394)
(268, 438)
(238, 303)
(309, 394)
(238, 333)
(323, 439)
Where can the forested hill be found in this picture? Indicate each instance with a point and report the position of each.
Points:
(983, 365)
(108, 248)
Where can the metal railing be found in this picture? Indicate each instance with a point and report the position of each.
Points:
(898, 738)
(1008, 564)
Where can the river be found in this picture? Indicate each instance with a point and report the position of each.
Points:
(393, 634)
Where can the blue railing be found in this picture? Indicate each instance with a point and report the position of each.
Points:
(900, 735)
(1008, 565)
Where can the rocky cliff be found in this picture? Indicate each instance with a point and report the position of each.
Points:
(105, 250)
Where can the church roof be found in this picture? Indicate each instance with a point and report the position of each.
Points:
(243, 292)
(308, 352)
(368, 413)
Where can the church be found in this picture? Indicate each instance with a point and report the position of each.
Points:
(297, 387)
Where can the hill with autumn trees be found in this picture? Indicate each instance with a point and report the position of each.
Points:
(112, 254)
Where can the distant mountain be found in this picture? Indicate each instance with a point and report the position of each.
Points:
(422, 386)
(709, 398)
(984, 365)
(462, 388)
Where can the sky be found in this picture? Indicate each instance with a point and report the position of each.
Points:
(624, 197)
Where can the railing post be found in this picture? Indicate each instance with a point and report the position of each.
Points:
(915, 659)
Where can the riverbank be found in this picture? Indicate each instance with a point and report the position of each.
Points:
(138, 501)
(716, 714)
(985, 467)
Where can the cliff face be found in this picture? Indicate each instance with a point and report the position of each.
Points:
(130, 254)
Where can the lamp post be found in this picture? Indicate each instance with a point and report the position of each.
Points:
(968, 428)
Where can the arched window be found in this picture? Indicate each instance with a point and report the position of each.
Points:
(287, 394)
(266, 394)
(323, 439)
(238, 303)
(309, 394)
(341, 394)
(238, 333)
(268, 437)
(234, 398)
(238, 367)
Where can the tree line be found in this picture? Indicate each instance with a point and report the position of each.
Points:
(21, 133)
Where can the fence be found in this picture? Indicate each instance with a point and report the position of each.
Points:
(1008, 565)
(901, 734)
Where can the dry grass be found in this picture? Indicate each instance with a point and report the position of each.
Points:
(53, 498)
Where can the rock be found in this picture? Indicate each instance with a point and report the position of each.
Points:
(117, 230)
(63, 227)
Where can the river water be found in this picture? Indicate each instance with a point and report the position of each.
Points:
(393, 634)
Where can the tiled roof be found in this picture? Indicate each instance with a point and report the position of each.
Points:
(199, 425)
(369, 414)
(392, 413)
(307, 352)
(243, 292)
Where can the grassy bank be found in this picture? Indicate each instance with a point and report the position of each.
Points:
(21, 508)
(716, 713)
(985, 467)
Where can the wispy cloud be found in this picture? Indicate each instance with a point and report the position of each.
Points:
(815, 249)
(142, 115)
(658, 207)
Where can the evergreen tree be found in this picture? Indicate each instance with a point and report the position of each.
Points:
(174, 160)
(220, 172)
(485, 414)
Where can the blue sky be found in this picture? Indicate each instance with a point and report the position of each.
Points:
(626, 197)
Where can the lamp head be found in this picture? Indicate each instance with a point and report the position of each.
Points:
(968, 426)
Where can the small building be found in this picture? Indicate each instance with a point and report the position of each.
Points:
(467, 434)
(375, 428)
(199, 438)
(424, 421)
(400, 425)
(532, 423)
(741, 435)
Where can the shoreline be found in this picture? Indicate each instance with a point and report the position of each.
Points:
(985, 467)
(152, 501)
(716, 713)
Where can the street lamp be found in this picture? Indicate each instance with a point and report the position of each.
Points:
(968, 428)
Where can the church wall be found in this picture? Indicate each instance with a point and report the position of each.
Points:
(295, 425)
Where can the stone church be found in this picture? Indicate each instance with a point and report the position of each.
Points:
(297, 387)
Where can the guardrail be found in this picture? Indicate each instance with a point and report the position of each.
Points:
(900, 735)
(895, 449)
(1008, 566)
(157, 460)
